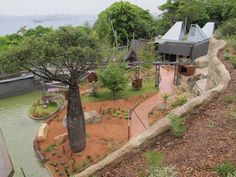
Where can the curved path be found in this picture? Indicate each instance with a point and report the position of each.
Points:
(142, 110)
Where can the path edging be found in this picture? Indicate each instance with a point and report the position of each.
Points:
(164, 124)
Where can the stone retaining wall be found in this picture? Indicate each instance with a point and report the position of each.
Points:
(164, 124)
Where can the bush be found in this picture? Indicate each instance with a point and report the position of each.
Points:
(164, 172)
(230, 98)
(226, 169)
(228, 28)
(233, 61)
(155, 168)
(177, 127)
(179, 101)
(231, 113)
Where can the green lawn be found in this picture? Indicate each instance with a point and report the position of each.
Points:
(105, 94)
(38, 111)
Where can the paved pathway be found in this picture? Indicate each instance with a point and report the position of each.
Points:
(142, 110)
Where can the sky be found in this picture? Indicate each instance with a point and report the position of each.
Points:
(86, 7)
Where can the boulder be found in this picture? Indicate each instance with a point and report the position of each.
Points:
(92, 117)
(60, 139)
(43, 131)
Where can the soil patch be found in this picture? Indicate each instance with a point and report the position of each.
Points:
(102, 138)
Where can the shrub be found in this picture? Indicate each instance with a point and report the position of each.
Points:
(230, 98)
(155, 168)
(154, 159)
(231, 113)
(165, 97)
(179, 101)
(177, 127)
(233, 61)
(225, 169)
(168, 171)
(228, 28)
(50, 148)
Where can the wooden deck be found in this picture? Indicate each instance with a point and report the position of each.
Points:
(6, 168)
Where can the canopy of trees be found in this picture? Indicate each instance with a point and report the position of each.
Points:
(195, 11)
(13, 40)
(69, 51)
(122, 21)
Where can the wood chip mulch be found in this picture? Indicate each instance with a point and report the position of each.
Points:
(210, 139)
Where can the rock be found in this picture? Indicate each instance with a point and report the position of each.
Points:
(96, 116)
(60, 139)
(43, 131)
(92, 117)
(64, 122)
(202, 62)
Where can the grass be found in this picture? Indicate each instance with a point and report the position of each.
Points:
(226, 169)
(104, 94)
(155, 166)
(179, 101)
(230, 98)
(38, 110)
(231, 113)
(177, 125)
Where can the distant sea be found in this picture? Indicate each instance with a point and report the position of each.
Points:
(11, 24)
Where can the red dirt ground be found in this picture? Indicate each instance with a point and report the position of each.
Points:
(102, 138)
(210, 139)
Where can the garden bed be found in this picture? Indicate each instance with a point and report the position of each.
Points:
(102, 138)
(40, 111)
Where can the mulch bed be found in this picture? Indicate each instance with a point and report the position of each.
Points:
(210, 139)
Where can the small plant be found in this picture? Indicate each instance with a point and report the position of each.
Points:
(50, 148)
(230, 98)
(226, 54)
(231, 113)
(177, 125)
(155, 167)
(165, 97)
(226, 169)
(154, 159)
(210, 125)
(90, 158)
(179, 101)
(233, 61)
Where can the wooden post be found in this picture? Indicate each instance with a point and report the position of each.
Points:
(22, 171)
(63, 148)
(129, 118)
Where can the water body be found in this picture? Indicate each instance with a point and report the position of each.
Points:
(19, 131)
(9, 25)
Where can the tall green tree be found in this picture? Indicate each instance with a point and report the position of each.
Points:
(113, 77)
(168, 16)
(193, 11)
(68, 50)
(122, 21)
(214, 9)
(15, 39)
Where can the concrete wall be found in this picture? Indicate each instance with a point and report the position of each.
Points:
(164, 124)
(16, 86)
(215, 73)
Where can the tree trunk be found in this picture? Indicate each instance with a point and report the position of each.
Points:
(75, 120)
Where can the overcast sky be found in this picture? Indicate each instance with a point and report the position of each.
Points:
(44, 7)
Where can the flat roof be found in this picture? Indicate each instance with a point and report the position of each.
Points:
(6, 168)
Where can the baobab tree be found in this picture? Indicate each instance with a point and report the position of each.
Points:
(68, 50)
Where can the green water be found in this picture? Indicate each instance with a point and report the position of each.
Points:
(19, 132)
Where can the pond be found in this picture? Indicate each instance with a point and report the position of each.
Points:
(19, 132)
